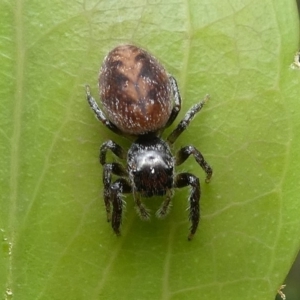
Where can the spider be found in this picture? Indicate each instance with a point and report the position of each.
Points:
(140, 99)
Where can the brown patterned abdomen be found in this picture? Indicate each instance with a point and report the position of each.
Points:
(135, 90)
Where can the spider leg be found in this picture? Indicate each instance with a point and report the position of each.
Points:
(141, 209)
(114, 148)
(187, 179)
(184, 123)
(99, 113)
(109, 169)
(177, 100)
(185, 152)
(166, 205)
(119, 187)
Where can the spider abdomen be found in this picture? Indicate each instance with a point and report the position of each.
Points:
(135, 90)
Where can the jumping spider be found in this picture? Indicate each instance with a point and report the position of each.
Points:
(137, 97)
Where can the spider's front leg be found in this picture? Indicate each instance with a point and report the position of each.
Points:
(141, 209)
(109, 169)
(165, 207)
(118, 188)
(183, 154)
(185, 179)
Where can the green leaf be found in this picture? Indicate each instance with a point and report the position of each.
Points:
(56, 243)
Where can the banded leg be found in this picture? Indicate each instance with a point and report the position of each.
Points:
(185, 152)
(177, 100)
(185, 179)
(99, 113)
(184, 123)
(118, 188)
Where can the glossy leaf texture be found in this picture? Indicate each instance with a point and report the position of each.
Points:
(56, 243)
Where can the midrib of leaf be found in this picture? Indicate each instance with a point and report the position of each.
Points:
(111, 263)
(166, 292)
(15, 138)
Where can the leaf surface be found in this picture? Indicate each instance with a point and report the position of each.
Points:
(56, 243)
